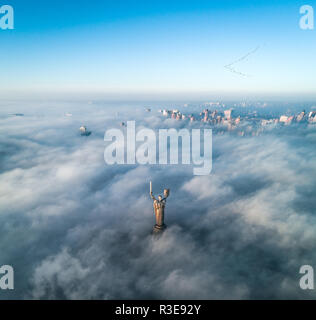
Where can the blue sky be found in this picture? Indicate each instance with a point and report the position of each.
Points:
(157, 47)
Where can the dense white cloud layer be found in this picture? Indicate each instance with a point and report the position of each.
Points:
(74, 227)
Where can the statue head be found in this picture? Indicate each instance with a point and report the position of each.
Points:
(159, 198)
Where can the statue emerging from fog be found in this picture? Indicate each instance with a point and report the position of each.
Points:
(159, 209)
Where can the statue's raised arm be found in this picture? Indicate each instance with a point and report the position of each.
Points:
(151, 191)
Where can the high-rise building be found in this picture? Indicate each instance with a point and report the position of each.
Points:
(228, 114)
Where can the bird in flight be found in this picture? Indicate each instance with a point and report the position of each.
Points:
(244, 57)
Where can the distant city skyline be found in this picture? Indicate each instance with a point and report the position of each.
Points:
(158, 50)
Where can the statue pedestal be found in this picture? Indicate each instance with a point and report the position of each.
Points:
(159, 229)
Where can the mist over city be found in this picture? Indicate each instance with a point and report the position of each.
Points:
(77, 228)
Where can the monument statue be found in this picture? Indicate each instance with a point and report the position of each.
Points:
(159, 209)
